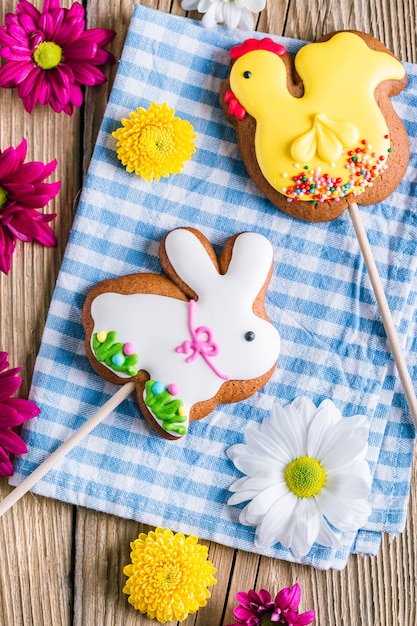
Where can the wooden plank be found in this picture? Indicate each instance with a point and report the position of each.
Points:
(36, 536)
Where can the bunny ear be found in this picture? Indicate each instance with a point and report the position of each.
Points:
(252, 260)
(192, 260)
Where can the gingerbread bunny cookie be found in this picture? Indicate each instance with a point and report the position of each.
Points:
(192, 339)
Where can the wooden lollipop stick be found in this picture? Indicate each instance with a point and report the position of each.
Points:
(64, 448)
(384, 310)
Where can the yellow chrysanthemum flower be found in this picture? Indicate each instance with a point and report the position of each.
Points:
(154, 143)
(168, 576)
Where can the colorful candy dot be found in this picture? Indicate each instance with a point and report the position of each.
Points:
(173, 389)
(128, 348)
(118, 359)
(181, 411)
(102, 336)
(158, 387)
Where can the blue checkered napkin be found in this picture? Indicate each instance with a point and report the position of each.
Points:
(320, 299)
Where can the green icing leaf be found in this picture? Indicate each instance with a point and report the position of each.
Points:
(105, 350)
(166, 408)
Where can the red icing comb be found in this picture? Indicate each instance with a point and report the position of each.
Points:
(257, 44)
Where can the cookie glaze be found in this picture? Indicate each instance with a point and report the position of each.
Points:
(333, 140)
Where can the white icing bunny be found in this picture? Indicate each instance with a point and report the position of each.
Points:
(196, 334)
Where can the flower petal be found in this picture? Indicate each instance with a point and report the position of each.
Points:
(232, 14)
(349, 485)
(101, 36)
(81, 50)
(6, 467)
(306, 527)
(289, 424)
(238, 449)
(87, 74)
(28, 173)
(305, 618)
(253, 465)
(12, 73)
(213, 16)
(259, 443)
(257, 482)
(9, 386)
(274, 525)
(11, 442)
(10, 161)
(327, 536)
(260, 504)
(242, 496)
(255, 6)
(289, 598)
(344, 514)
(9, 417)
(7, 247)
(26, 408)
(344, 450)
(4, 364)
(326, 417)
(189, 5)
(246, 21)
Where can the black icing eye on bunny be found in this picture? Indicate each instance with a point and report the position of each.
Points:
(192, 339)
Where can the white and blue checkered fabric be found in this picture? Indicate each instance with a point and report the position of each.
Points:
(320, 300)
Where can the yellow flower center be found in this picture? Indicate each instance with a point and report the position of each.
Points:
(3, 197)
(47, 55)
(168, 577)
(156, 142)
(305, 477)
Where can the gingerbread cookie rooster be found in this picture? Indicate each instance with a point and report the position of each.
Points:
(319, 131)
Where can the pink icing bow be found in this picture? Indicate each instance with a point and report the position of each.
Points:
(201, 343)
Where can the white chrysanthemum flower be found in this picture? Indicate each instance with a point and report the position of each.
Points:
(305, 472)
(233, 13)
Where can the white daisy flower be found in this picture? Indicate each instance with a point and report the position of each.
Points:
(233, 13)
(305, 473)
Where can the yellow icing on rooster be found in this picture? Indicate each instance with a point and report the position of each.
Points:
(332, 141)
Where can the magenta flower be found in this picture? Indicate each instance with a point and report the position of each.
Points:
(258, 609)
(22, 192)
(13, 411)
(50, 54)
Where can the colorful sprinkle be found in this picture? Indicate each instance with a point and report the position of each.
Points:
(363, 167)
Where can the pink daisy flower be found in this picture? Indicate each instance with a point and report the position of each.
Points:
(22, 192)
(49, 54)
(13, 411)
(258, 609)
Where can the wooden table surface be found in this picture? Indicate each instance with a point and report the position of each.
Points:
(62, 565)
